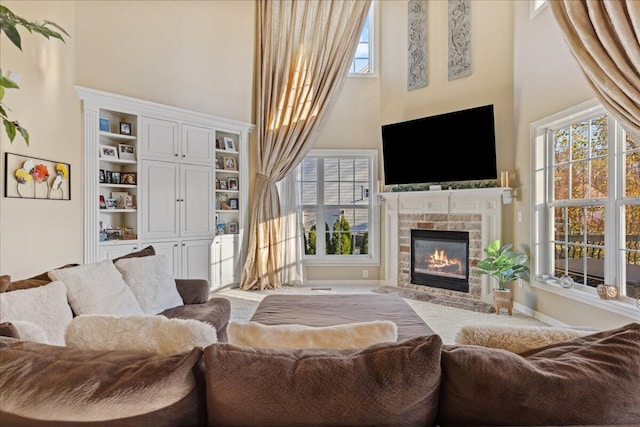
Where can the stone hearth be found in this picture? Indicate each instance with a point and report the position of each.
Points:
(478, 211)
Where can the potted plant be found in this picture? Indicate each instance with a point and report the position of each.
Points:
(505, 266)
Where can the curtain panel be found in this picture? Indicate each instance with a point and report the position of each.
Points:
(305, 50)
(603, 36)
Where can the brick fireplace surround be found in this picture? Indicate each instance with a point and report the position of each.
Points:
(478, 211)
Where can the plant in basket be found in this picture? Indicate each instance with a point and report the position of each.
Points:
(505, 266)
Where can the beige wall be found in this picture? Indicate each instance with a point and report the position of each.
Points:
(197, 55)
(367, 103)
(37, 235)
(547, 80)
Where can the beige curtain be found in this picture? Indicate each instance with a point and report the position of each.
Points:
(604, 38)
(305, 49)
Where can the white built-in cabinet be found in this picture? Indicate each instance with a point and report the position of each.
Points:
(178, 204)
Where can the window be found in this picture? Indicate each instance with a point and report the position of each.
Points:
(536, 6)
(338, 206)
(587, 202)
(363, 60)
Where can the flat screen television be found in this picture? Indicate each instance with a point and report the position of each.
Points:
(449, 147)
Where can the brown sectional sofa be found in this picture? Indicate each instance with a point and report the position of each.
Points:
(194, 294)
(417, 381)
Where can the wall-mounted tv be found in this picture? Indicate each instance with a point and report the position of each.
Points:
(449, 147)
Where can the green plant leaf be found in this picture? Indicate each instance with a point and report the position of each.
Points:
(8, 25)
(10, 128)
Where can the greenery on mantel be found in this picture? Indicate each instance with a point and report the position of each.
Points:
(446, 186)
(9, 23)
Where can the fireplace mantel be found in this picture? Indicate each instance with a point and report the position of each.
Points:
(486, 202)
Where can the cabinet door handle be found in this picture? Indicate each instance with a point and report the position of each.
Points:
(175, 246)
(184, 244)
(184, 155)
(176, 154)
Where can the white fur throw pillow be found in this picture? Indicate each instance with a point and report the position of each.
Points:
(151, 281)
(516, 339)
(45, 306)
(97, 288)
(346, 336)
(148, 334)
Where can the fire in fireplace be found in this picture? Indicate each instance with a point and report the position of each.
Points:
(440, 258)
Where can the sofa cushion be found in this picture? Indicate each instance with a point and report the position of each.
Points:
(388, 384)
(148, 251)
(46, 306)
(216, 312)
(97, 288)
(345, 336)
(589, 380)
(6, 285)
(26, 331)
(5, 281)
(151, 281)
(516, 339)
(44, 385)
(151, 334)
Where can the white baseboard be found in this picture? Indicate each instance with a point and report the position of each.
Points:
(330, 283)
(541, 317)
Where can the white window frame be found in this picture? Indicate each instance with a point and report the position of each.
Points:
(540, 261)
(373, 43)
(372, 258)
(537, 6)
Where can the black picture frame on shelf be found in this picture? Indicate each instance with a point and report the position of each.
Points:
(115, 177)
(125, 128)
(101, 177)
(233, 203)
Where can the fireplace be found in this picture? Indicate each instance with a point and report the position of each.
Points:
(440, 259)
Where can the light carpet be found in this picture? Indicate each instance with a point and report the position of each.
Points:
(444, 320)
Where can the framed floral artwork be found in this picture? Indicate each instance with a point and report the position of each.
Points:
(33, 178)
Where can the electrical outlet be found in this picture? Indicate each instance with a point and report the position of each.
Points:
(365, 273)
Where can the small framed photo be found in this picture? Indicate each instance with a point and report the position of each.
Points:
(230, 163)
(129, 178)
(233, 203)
(101, 176)
(115, 177)
(129, 202)
(103, 203)
(125, 128)
(218, 163)
(114, 233)
(112, 203)
(233, 227)
(127, 152)
(217, 183)
(233, 183)
(223, 184)
(104, 125)
(228, 144)
(108, 152)
(218, 147)
(107, 177)
(120, 198)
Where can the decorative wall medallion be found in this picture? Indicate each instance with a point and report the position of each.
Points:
(459, 39)
(417, 71)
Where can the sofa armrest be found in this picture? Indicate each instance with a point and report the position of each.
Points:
(193, 291)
